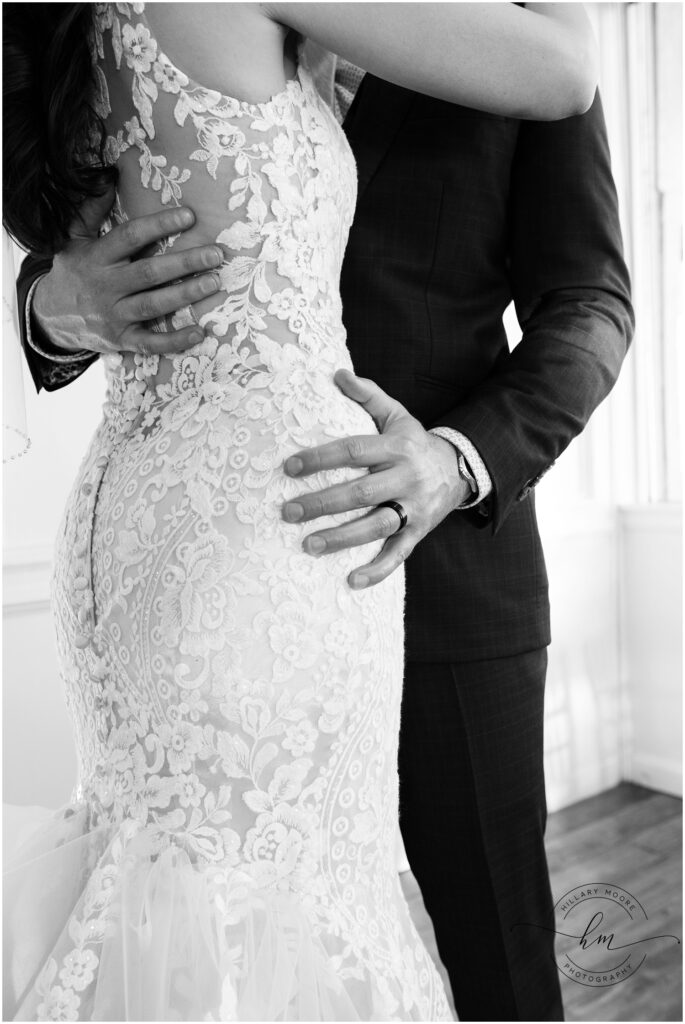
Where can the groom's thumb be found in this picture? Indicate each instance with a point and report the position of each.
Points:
(379, 405)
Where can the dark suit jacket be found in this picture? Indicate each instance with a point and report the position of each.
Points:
(459, 212)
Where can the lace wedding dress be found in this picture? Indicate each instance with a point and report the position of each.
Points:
(229, 851)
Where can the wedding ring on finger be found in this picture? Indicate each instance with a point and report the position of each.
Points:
(396, 507)
(317, 545)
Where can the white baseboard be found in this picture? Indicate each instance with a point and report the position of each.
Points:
(656, 773)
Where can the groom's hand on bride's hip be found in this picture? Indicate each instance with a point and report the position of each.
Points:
(97, 295)
(406, 464)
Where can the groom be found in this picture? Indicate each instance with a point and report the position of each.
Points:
(459, 213)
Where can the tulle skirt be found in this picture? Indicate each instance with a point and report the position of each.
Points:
(101, 924)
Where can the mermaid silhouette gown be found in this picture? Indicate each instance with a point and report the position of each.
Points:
(229, 849)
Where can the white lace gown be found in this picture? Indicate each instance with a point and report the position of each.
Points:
(229, 850)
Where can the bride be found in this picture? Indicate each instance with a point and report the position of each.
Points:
(228, 852)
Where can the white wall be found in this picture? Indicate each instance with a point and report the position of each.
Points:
(39, 764)
(584, 708)
(36, 486)
(38, 757)
(614, 685)
(650, 540)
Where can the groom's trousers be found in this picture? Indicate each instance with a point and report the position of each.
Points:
(472, 816)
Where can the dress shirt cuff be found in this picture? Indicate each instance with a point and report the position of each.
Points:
(474, 461)
(55, 357)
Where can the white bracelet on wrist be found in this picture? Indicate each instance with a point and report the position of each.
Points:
(471, 467)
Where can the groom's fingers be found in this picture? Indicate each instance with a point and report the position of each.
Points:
(148, 305)
(364, 492)
(173, 266)
(379, 524)
(126, 240)
(358, 450)
(394, 552)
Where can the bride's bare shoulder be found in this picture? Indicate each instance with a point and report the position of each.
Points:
(234, 48)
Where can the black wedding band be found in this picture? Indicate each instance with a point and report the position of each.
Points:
(396, 507)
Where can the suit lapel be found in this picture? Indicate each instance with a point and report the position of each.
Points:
(372, 123)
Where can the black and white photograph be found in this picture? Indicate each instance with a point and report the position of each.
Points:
(342, 376)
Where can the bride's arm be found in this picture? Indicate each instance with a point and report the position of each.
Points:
(537, 63)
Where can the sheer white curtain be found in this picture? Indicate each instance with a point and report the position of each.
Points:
(630, 452)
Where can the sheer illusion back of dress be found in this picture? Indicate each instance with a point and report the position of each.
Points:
(273, 183)
(229, 850)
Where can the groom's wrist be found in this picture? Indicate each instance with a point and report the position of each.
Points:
(37, 333)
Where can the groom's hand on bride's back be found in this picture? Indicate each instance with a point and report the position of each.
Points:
(407, 464)
(98, 295)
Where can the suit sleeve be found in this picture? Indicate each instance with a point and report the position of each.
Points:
(50, 367)
(571, 290)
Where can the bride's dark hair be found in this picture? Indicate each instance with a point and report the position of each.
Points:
(53, 140)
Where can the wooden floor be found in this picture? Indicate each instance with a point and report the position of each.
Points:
(630, 836)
